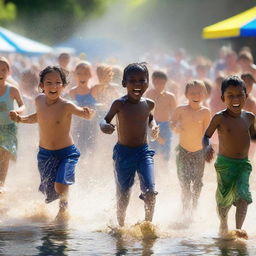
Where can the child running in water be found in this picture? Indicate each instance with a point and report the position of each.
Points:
(8, 139)
(165, 106)
(131, 153)
(191, 121)
(57, 156)
(233, 168)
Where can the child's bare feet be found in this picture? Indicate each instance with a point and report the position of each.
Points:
(63, 215)
(241, 234)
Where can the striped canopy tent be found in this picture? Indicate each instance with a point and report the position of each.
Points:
(11, 42)
(240, 25)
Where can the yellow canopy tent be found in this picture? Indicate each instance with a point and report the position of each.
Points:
(240, 25)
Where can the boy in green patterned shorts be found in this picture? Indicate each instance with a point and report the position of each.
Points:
(235, 127)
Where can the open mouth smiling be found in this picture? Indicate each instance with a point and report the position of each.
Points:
(137, 91)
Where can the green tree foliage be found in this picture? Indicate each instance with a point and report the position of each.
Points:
(7, 11)
(51, 21)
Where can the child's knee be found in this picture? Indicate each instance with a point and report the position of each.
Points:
(61, 189)
(148, 196)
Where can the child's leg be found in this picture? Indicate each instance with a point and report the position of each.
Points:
(147, 185)
(4, 164)
(198, 165)
(149, 204)
(62, 190)
(241, 210)
(122, 203)
(223, 216)
(184, 176)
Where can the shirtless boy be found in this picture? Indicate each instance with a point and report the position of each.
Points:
(131, 154)
(165, 104)
(57, 156)
(235, 127)
(191, 121)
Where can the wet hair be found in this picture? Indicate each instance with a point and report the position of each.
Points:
(63, 55)
(4, 60)
(195, 83)
(235, 81)
(159, 74)
(50, 69)
(83, 64)
(245, 55)
(208, 85)
(135, 67)
(248, 77)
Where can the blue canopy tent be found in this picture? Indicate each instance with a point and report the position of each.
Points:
(11, 42)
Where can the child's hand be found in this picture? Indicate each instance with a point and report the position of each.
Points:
(88, 113)
(107, 127)
(14, 116)
(155, 132)
(208, 153)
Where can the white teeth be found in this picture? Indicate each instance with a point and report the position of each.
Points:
(236, 105)
(137, 90)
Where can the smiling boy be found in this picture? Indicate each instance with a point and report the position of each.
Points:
(131, 154)
(235, 127)
(190, 122)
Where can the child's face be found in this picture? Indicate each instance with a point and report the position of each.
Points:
(234, 98)
(136, 83)
(83, 74)
(52, 85)
(159, 83)
(105, 76)
(4, 71)
(195, 95)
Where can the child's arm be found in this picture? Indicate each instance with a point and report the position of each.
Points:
(176, 121)
(29, 119)
(84, 112)
(15, 93)
(207, 147)
(105, 124)
(252, 127)
(154, 127)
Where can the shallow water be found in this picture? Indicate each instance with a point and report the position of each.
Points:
(27, 226)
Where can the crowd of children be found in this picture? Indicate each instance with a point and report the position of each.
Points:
(188, 97)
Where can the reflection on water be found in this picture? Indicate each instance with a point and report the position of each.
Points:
(54, 241)
(51, 240)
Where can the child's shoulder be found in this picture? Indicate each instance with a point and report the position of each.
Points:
(169, 94)
(248, 114)
(149, 102)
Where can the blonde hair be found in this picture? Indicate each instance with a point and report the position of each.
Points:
(195, 83)
(4, 60)
(84, 64)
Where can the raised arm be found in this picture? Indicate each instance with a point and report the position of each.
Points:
(105, 124)
(252, 127)
(29, 119)
(207, 147)
(15, 94)
(176, 120)
(83, 112)
(151, 121)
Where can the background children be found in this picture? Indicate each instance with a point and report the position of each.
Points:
(165, 104)
(191, 121)
(84, 130)
(131, 153)
(233, 168)
(57, 156)
(8, 140)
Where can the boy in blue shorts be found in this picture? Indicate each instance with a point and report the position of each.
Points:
(57, 156)
(131, 154)
(235, 129)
